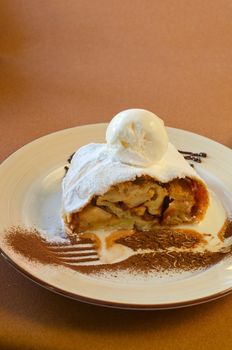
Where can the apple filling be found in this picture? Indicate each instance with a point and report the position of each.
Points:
(143, 204)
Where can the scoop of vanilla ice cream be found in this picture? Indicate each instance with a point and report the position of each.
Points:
(137, 137)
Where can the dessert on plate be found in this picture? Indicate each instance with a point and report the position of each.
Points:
(137, 180)
(133, 206)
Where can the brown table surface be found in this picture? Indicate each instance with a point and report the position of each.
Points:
(74, 62)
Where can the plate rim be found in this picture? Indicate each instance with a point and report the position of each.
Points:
(97, 301)
(112, 304)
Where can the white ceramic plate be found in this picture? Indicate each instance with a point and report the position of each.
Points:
(30, 196)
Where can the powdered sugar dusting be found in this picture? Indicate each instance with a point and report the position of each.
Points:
(94, 170)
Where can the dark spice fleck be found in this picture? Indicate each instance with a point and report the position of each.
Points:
(70, 158)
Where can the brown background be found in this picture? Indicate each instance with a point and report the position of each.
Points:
(67, 63)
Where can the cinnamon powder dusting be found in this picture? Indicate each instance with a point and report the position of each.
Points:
(228, 230)
(158, 262)
(29, 244)
(32, 246)
(162, 239)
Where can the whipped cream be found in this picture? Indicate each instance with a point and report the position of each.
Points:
(137, 137)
